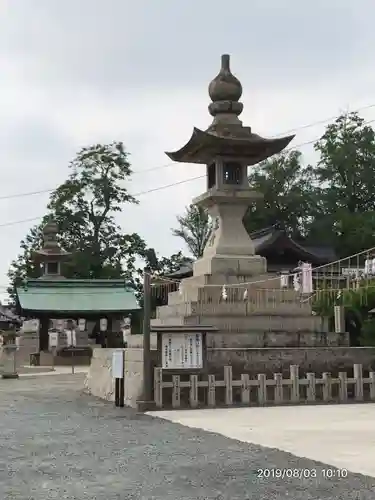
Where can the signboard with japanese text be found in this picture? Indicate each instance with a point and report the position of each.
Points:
(182, 351)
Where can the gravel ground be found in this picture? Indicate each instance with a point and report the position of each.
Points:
(57, 443)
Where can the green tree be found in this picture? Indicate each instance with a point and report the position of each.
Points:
(23, 266)
(288, 196)
(84, 208)
(345, 192)
(194, 228)
(158, 267)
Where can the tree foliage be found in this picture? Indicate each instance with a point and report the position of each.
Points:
(84, 208)
(287, 192)
(345, 192)
(194, 227)
(357, 303)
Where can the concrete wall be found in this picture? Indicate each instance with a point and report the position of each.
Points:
(99, 381)
(272, 360)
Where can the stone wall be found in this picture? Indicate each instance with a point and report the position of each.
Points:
(278, 360)
(99, 381)
(276, 339)
(136, 341)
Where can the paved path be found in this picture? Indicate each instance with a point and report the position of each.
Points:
(36, 371)
(340, 435)
(57, 444)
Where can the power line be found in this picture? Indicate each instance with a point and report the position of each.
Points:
(49, 190)
(160, 167)
(160, 188)
(322, 122)
(135, 194)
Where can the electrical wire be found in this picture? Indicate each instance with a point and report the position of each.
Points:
(159, 188)
(167, 165)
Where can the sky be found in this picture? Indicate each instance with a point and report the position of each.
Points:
(75, 73)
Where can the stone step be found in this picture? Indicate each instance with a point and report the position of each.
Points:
(235, 309)
(284, 323)
(266, 280)
(256, 339)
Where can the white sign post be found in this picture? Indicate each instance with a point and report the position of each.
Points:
(118, 375)
(118, 364)
(71, 339)
(182, 351)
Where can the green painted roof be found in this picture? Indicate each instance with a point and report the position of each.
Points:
(76, 296)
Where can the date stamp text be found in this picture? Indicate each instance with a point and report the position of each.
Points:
(300, 473)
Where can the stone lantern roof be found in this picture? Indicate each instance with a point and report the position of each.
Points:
(227, 136)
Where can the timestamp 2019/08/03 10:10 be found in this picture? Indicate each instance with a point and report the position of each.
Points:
(296, 473)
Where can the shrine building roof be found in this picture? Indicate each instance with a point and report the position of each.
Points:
(273, 238)
(75, 296)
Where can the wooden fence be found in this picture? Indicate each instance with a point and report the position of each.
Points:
(189, 391)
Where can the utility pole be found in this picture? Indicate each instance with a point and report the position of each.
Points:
(147, 401)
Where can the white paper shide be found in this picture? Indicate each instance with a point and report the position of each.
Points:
(182, 350)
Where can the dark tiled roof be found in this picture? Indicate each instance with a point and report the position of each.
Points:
(265, 238)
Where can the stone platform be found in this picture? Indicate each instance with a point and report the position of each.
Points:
(265, 316)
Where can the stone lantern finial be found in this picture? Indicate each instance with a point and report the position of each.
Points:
(50, 232)
(225, 91)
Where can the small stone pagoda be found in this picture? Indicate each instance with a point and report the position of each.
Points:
(51, 256)
(227, 148)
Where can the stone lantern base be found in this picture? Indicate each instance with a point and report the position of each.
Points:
(8, 368)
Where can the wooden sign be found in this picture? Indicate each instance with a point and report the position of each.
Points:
(182, 351)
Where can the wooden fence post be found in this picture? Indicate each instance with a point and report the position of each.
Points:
(279, 390)
(193, 391)
(327, 387)
(228, 385)
(358, 387)
(158, 387)
(262, 389)
(211, 396)
(294, 376)
(343, 388)
(176, 392)
(245, 388)
(311, 388)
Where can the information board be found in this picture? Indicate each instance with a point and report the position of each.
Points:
(182, 351)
